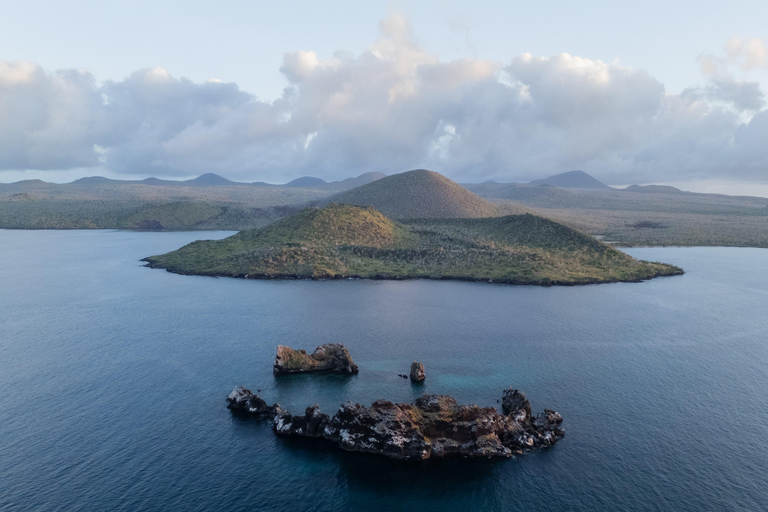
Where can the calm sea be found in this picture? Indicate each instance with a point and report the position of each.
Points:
(113, 378)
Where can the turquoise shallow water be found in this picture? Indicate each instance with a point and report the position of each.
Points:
(113, 378)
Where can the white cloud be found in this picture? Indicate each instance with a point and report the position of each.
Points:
(749, 54)
(395, 107)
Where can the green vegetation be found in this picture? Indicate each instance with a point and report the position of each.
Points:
(347, 241)
(297, 359)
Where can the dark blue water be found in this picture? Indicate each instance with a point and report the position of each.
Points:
(113, 378)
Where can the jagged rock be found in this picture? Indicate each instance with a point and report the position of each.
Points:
(244, 400)
(330, 357)
(417, 372)
(432, 426)
(312, 424)
(514, 403)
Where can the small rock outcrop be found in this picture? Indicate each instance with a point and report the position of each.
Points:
(330, 357)
(312, 424)
(432, 426)
(244, 400)
(417, 372)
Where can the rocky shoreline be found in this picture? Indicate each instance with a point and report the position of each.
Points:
(433, 426)
(675, 271)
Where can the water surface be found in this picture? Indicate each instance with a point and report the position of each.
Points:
(113, 380)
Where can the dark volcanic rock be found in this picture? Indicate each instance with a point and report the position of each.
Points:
(540, 431)
(432, 426)
(331, 357)
(417, 372)
(243, 400)
(513, 403)
(312, 424)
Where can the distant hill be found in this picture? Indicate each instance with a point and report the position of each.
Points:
(306, 181)
(417, 194)
(94, 180)
(209, 179)
(155, 181)
(488, 188)
(537, 194)
(335, 186)
(654, 189)
(571, 179)
(347, 241)
(350, 183)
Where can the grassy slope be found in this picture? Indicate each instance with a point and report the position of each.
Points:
(341, 241)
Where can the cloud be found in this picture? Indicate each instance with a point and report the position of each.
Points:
(749, 54)
(395, 107)
(47, 120)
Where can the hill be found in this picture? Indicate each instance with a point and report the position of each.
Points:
(654, 189)
(417, 194)
(347, 241)
(571, 179)
(209, 179)
(306, 181)
(350, 183)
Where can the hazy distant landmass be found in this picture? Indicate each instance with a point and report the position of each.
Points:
(206, 202)
(641, 214)
(341, 241)
(571, 179)
(636, 215)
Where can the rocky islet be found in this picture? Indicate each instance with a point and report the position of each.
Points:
(417, 372)
(433, 426)
(329, 357)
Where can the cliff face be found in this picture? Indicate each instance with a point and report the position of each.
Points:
(432, 426)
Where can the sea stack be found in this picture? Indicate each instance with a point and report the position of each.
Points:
(330, 357)
(417, 372)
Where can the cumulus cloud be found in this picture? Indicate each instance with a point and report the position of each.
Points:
(395, 107)
(47, 120)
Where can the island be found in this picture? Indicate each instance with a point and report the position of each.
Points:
(433, 426)
(344, 241)
(329, 357)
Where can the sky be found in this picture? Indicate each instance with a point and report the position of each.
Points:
(652, 92)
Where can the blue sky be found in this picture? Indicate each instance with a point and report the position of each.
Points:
(649, 92)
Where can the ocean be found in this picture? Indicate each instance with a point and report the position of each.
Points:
(113, 379)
